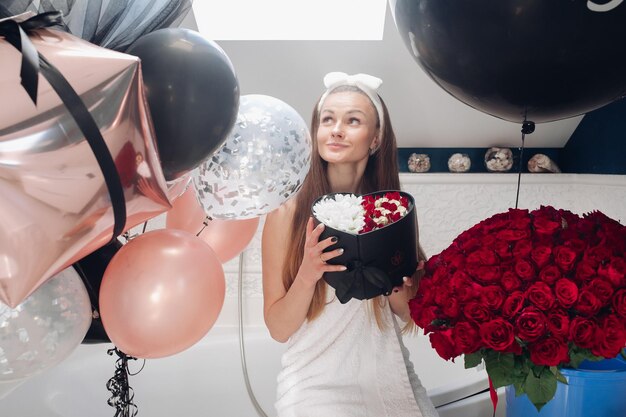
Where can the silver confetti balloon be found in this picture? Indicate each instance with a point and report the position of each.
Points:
(45, 328)
(262, 163)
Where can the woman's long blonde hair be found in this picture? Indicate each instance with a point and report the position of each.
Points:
(381, 173)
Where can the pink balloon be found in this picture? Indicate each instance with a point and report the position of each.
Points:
(186, 213)
(161, 293)
(229, 238)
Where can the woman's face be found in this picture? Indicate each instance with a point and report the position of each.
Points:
(347, 128)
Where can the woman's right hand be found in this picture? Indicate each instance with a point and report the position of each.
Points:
(314, 263)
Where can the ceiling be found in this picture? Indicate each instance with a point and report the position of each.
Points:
(422, 113)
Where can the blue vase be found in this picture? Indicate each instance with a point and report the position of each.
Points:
(595, 389)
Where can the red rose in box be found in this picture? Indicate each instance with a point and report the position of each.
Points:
(378, 234)
(528, 293)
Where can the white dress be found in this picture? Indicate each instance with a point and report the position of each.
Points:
(342, 365)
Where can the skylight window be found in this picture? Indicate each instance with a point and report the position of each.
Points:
(291, 19)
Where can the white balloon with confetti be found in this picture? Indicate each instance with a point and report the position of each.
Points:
(45, 328)
(262, 163)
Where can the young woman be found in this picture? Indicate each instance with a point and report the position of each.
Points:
(342, 359)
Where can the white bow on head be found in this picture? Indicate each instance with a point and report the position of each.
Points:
(364, 82)
(335, 79)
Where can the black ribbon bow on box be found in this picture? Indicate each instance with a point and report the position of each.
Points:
(378, 260)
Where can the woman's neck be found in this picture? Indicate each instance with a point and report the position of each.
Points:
(345, 178)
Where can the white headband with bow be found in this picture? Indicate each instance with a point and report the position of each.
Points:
(364, 82)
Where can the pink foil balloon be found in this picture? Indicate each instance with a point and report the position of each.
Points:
(229, 238)
(55, 207)
(186, 213)
(161, 293)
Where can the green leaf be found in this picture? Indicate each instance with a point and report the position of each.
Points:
(473, 359)
(540, 389)
(577, 355)
(499, 367)
(561, 378)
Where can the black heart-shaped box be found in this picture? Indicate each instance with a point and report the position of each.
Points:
(377, 260)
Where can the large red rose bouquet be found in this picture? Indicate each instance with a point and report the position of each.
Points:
(528, 293)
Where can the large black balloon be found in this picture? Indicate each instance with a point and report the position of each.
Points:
(544, 59)
(193, 95)
(91, 269)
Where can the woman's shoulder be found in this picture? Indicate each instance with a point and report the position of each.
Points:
(280, 219)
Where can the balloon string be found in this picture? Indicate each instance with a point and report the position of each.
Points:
(528, 127)
(122, 394)
(205, 223)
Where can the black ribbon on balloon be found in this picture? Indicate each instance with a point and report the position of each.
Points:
(355, 280)
(122, 395)
(33, 63)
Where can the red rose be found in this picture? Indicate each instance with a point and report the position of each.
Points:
(513, 304)
(517, 214)
(549, 352)
(566, 292)
(440, 275)
(558, 324)
(584, 227)
(576, 244)
(450, 307)
(588, 303)
(524, 269)
(471, 244)
(443, 343)
(422, 315)
(503, 249)
(582, 332)
(601, 289)
(462, 287)
(541, 255)
(486, 274)
(611, 338)
(545, 226)
(522, 248)
(585, 271)
(619, 302)
(495, 223)
(614, 270)
(511, 235)
(540, 295)
(520, 223)
(488, 241)
(596, 255)
(564, 258)
(530, 324)
(498, 335)
(466, 337)
(492, 296)
(482, 257)
(510, 282)
(476, 312)
(550, 274)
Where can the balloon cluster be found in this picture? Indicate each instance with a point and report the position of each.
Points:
(161, 113)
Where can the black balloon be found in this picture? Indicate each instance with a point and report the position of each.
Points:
(91, 269)
(193, 95)
(541, 59)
